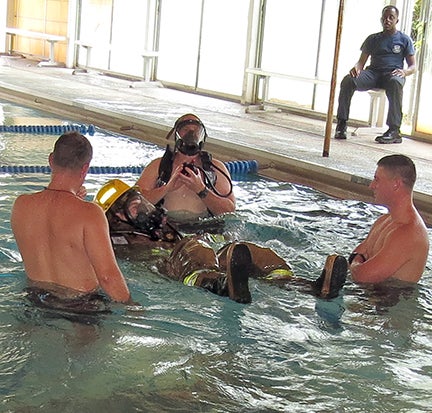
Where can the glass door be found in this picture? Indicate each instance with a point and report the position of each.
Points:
(95, 29)
(179, 39)
(423, 119)
(223, 46)
(129, 36)
(202, 44)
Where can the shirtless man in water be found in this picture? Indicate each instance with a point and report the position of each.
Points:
(63, 240)
(183, 189)
(397, 245)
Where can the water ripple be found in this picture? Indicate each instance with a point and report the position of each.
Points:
(189, 350)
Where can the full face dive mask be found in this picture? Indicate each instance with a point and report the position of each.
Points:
(141, 214)
(190, 136)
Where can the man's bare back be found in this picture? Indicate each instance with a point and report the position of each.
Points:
(63, 240)
(53, 256)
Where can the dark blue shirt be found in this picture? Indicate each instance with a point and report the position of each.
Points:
(387, 52)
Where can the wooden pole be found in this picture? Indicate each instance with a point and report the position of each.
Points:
(329, 122)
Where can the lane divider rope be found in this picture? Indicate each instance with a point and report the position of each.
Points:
(48, 129)
(234, 168)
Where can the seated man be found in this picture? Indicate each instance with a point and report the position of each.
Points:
(186, 180)
(133, 221)
(388, 50)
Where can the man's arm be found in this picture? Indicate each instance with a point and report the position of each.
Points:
(99, 249)
(383, 264)
(220, 204)
(148, 180)
(358, 67)
(411, 62)
(412, 66)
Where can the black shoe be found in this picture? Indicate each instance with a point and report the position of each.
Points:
(341, 130)
(389, 136)
(239, 264)
(333, 276)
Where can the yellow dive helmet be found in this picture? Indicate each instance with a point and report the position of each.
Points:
(110, 192)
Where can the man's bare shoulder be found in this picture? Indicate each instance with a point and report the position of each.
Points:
(413, 222)
(415, 229)
(25, 202)
(410, 235)
(88, 214)
(219, 164)
(25, 198)
(90, 207)
(153, 165)
(382, 219)
(149, 173)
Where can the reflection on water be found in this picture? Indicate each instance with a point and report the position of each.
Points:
(190, 350)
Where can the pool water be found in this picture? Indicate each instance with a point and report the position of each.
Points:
(369, 350)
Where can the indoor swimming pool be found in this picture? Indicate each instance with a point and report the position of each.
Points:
(187, 350)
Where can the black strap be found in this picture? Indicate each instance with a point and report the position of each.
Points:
(165, 166)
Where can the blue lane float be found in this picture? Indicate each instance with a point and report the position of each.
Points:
(242, 167)
(234, 168)
(48, 129)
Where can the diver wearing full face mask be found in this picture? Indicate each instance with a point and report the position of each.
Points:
(131, 217)
(192, 261)
(135, 221)
(186, 180)
(226, 272)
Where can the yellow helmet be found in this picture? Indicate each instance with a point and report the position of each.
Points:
(110, 192)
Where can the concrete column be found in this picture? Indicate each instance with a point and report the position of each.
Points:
(71, 32)
(3, 25)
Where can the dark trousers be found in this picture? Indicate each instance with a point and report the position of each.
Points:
(367, 80)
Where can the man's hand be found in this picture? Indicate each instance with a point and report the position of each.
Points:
(399, 72)
(174, 182)
(355, 72)
(193, 180)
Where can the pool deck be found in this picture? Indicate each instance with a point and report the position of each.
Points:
(287, 146)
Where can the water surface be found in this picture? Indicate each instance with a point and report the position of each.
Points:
(369, 350)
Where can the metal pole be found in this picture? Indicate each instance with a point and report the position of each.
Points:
(329, 122)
